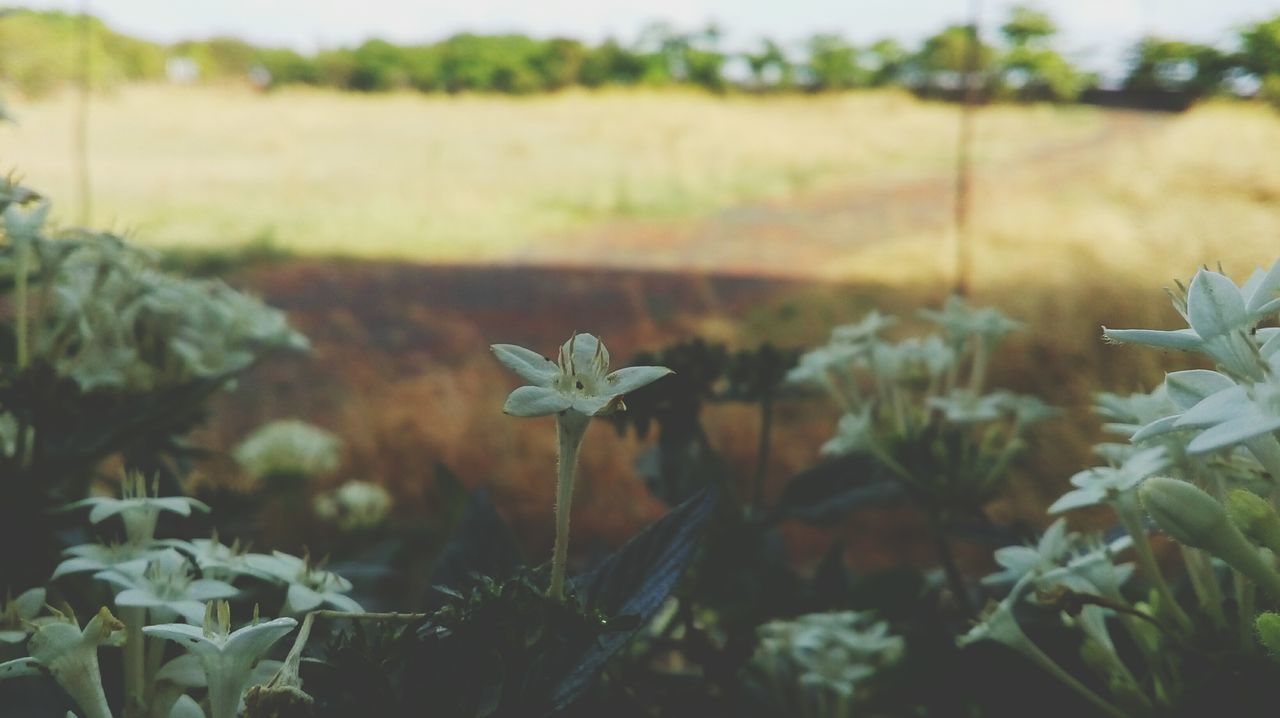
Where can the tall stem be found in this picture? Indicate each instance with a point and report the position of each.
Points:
(1127, 510)
(942, 547)
(20, 300)
(762, 450)
(135, 678)
(571, 426)
(1037, 656)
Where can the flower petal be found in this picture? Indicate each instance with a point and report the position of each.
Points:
(1077, 499)
(1159, 427)
(1217, 407)
(29, 603)
(535, 401)
(189, 637)
(1182, 339)
(342, 603)
(1214, 305)
(185, 670)
(302, 599)
(1260, 289)
(208, 589)
(138, 598)
(1232, 432)
(625, 381)
(186, 707)
(1188, 388)
(20, 667)
(528, 364)
(254, 640)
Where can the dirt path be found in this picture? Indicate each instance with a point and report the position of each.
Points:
(797, 237)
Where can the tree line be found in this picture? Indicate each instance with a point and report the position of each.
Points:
(1020, 62)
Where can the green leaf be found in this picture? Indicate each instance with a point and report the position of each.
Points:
(634, 581)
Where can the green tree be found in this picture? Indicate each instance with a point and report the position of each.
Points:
(1028, 26)
(833, 64)
(1031, 70)
(1159, 65)
(887, 59)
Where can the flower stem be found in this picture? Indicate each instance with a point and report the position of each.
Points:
(1132, 522)
(955, 579)
(571, 426)
(135, 678)
(20, 302)
(1037, 656)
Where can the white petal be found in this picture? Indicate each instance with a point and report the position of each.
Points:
(181, 505)
(536, 401)
(29, 603)
(1214, 305)
(253, 641)
(138, 598)
(20, 667)
(625, 381)
(342, 603)
(584, 350)
(191, 611)
(185, 670)
(189, 637)
(1188, 388)
(13, 636)
(1077, 499)
(207, 589)
(302, 599)
(593, 405)
(1159, 427)
(186, 707)
(1181, 339)
(1260, 288)
(105, 508)
(529, 365)
(1232, 432)
(1217, 408)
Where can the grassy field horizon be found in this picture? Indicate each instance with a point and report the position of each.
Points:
(480, 177)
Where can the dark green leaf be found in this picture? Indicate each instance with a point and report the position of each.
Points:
(826, 494)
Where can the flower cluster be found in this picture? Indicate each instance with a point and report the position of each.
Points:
(826, 656)
(289, 447)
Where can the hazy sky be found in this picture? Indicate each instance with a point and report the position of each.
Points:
(1095, 32)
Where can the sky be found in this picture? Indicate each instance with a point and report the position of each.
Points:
(1095, 33)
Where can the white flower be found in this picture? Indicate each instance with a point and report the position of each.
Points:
(1106, 483)
(1222, 318)
(227, 657)
(855, 433)
(214, 558)
(959, 321)
(187, 671)
(831, 651)
(126, 557)
(1021, 561)
(354, 505)
(71, 657)
(309, 587)
(816, 365)
(167, 588)
(866, 330)
(137, 509)
(1233, 415)
(289, 447)
(577, 380)
(961, 406)
(18, 613)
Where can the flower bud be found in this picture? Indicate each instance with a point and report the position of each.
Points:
(1268, 627)
(1185, 512)
(1194, 519)
(1255, 517)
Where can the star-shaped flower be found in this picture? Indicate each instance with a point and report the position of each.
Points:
(1106, 483)
(167, 588)
(137, 508)
(227, 656)
(17, 614)
(1222, 318)
(578, 380)
(309, 586)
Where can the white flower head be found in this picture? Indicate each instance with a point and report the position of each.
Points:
(227, 656)
(354, 505)
(855, 433)
(1222, 318)
(289, 447)
(1018, 562)
(137, 508)
(579, 379)
(1108, 483)
(309, 586)
(166, 587)
(126, 557)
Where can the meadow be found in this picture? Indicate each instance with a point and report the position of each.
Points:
(477, 177)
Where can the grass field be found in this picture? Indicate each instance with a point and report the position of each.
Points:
(479, 177)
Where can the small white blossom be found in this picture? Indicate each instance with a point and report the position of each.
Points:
(1107, 483)
(578, 380)
(309, 586)
(227, 656)
(137, 509)
(167, 588)
(70, 655)
(289, 447)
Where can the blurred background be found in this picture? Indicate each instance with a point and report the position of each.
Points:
(415, 181)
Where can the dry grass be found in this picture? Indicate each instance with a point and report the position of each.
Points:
(423, 177)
